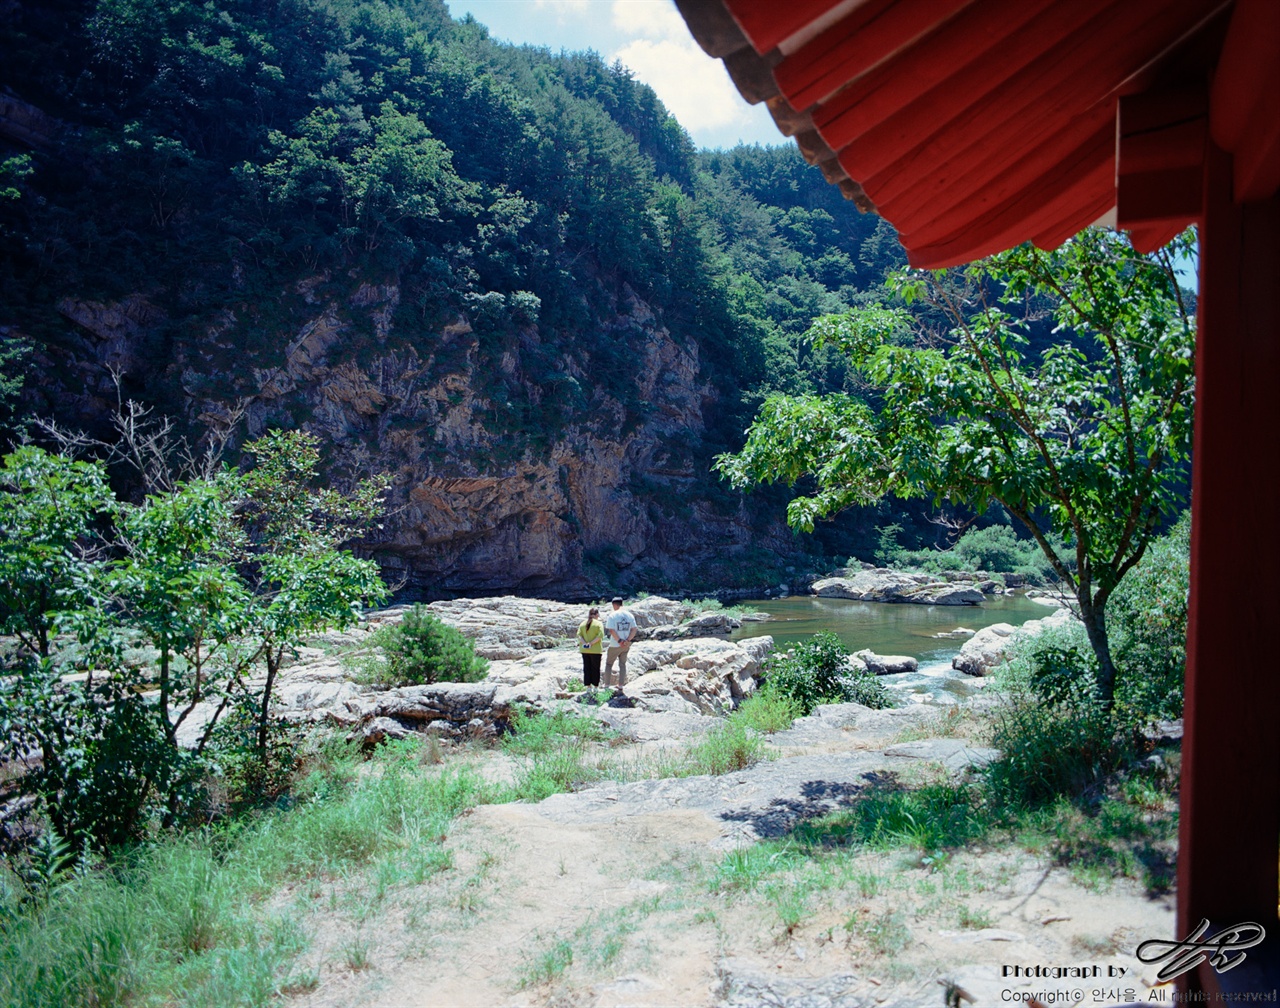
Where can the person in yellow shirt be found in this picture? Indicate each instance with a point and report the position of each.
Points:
(591, 647)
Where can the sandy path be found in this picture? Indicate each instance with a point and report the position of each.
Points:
(616, 875)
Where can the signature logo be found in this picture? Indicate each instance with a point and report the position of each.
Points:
(1181, 956)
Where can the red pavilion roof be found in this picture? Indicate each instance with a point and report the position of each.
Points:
(975, 125)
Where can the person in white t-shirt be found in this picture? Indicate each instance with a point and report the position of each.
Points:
(620, 629)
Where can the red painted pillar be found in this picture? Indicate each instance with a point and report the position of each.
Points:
(1230, 822)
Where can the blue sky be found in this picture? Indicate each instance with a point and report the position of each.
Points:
(650, 37)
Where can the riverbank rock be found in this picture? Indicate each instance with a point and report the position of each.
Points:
(712, 624)
(886, 664)
(994, 645)
(508, 628)
(1048, 598)
(882, 585)
(712, 678)
(699, 676)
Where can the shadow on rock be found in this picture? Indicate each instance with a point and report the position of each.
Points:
(816, 798)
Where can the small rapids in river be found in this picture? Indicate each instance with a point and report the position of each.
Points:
(926, 633)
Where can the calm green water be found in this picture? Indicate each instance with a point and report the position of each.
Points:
(884, 627)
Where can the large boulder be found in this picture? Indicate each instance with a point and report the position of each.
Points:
(986, 649)
(706, 676)
(506, 627)
(992, 646)
(939, 593)
(886, 664)
(656, 611)
(883, 585)
(712, 624)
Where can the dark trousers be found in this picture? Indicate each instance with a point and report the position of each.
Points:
(591, 669)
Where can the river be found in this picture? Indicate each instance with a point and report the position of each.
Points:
(885, 627)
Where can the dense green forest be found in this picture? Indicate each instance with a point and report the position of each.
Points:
(453, 259)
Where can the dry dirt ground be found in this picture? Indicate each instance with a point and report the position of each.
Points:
(632, 894)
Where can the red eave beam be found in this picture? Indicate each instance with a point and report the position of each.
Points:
(1160, 150)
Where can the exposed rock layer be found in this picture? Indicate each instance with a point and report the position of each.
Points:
(504, 478)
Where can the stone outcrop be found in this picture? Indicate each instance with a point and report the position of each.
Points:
(506, 627)
(994, 645)
(883, 585)
(711, 679)
(509, 628)
(702, 676)
(885, 664)
(707, 625)
(532, 666)
(699, 676)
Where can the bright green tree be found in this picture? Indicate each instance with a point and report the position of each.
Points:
(72, 716)
(421, 648)
(1088, 438)
(177, 584)
(50, 507)
(299, 581)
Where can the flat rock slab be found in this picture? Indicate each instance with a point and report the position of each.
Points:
(896, 586)
(832, 723)
(741, 983)
(954, 754)
(644, 726)
(765, 800)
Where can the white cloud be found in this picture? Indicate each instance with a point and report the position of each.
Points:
(695, 89)
(654, 19)
(563, 9)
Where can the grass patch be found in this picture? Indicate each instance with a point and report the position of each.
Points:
(744, 868)
(885, 933)
(974, 920)
(932, 818)
(532, 734)
(558, 753)
(595, 945)
(956, 722)
(547, 965)
(700, 607)
(183, 920)
(1114, 838)
(725, 748)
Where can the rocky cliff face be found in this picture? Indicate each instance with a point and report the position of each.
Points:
(519, 463)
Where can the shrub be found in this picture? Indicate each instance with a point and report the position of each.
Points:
(248, 774)
(1147, 618)
(888, 552)
(103, 762)
(1049, 750)
(993, 548)
(421, 649)
(817, 671)
(1055, 738)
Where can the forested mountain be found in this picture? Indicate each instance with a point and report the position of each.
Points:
(501, 274)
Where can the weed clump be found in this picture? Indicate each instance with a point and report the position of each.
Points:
(727, 747)
(766, 711)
